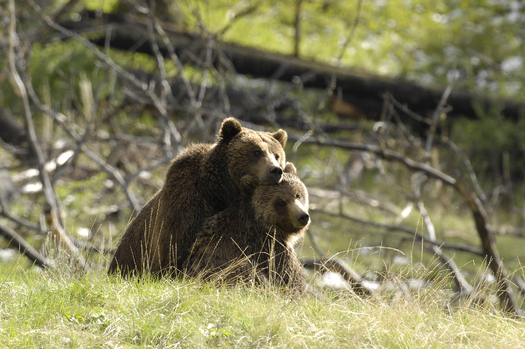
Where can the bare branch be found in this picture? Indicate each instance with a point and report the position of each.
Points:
(49, 193)
(505, 294)
(13, 238)
(297, 25)
(471, 173)
(407, 111)
(385, 153)
(68, 33)
(338, 266)
(419, 178)
(334, 264)
(436, 116)
(235, 17)
(60, 119)
(403, 229)
(171, 134)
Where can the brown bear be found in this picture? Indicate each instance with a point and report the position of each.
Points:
(201, 181)
(254, 239)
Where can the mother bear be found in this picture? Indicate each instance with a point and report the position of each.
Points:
(201, 181)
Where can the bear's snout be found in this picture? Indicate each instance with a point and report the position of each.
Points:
(304, 219)
(276, 173)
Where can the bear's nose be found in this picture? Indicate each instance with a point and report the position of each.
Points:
(304, 219)
(276, 173)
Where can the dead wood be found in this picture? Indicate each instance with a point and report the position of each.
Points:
(410, 231)
(17, 241)
(53, 211)
(506, 294)
(362, 92)
(338, 266)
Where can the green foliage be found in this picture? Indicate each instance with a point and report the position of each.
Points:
(419, 40)
(486, 141)
(54, 63)
(107, 6)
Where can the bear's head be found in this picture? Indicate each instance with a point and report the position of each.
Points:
(254, 153)
(283, 206)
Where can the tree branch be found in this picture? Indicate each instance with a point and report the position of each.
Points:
(410, 231)
(505, 293)
(49, 193)
(384, 153)
(13, 238)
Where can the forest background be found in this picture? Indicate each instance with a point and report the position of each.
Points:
(405, 121)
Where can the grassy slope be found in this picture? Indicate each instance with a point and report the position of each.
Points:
(57, 310)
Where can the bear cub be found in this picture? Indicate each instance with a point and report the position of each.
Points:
(202, 181)
(254, 240)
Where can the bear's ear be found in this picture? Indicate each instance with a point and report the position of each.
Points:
(248, 184)
(290, 168)
(281, 137)
(230, 128)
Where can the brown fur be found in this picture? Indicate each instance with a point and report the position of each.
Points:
(254, 239)
(201, 181)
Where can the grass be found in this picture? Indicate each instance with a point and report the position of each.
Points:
(57, 309)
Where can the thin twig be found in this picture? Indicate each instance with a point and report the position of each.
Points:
(171, 135)
(18, 220)
(147, 168)
(407, 111)
(403, 229)
(333, 80)
(352, 33)
(235, 17)
(419, 178)
(84, 138)
(110, 63)
(178, 64)
(60, 119)
(71, 34)
(297, 26)
(436, 116)
(472, 174)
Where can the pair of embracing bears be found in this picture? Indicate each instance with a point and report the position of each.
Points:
(229, 211)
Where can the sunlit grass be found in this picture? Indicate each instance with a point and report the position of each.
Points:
(60, 309)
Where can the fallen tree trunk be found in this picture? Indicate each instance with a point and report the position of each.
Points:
(361, 93)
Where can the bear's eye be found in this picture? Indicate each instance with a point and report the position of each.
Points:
(257, 153)
(281, 203)
(298, 196)
(277, 157)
